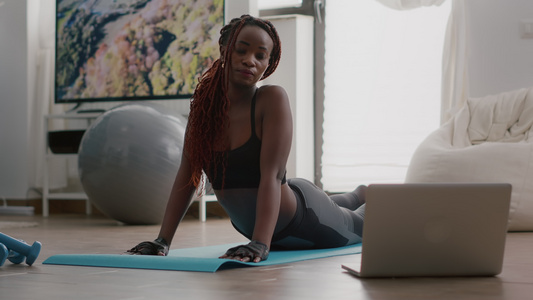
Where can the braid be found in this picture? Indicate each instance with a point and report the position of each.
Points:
(209, 105)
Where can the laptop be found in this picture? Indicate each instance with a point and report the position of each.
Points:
(433, 229)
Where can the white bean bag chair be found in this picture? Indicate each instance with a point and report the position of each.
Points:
(489, 140)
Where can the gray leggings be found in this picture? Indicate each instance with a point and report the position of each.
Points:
(321, 221)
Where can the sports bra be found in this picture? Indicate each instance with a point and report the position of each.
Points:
(242, 163)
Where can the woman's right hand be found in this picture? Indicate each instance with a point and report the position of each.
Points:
(254, 251)
(157, 247)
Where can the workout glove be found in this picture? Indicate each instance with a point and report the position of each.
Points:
(157, 247)
(252, 250)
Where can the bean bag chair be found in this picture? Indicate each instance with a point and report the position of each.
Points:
(489, 140)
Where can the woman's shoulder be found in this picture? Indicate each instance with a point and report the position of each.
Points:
(272, 93)
(273, 100)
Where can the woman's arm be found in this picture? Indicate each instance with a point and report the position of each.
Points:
(275, 126)
(276, 137)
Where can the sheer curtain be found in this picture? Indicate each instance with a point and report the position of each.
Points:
(455, 65)
(382, 88)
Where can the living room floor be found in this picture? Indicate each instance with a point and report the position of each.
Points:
(311, 279)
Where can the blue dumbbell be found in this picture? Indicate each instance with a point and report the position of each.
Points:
(31, 252)
(15, 257)
(3, 254)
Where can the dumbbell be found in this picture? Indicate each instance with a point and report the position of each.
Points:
(20, 247)
(11, 255)
(15, 257)
(3, 254)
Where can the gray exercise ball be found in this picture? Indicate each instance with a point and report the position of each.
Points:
(128, 160)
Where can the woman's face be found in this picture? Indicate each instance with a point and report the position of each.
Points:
(250, 56)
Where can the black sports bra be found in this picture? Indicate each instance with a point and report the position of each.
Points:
(242, 163)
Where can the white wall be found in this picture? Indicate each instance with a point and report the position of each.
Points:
(499, 59)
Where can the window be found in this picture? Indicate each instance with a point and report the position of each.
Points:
(382, 89)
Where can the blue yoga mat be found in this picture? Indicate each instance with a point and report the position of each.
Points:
(201, 259)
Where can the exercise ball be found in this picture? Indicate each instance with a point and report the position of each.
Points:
(128, 160)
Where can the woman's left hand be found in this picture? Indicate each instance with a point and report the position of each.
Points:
(254, 251)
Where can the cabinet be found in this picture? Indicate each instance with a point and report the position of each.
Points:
(47, 195)
(295, 73)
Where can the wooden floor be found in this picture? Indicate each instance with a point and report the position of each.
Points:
(314, 279)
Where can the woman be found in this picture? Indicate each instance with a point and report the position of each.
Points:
(240, 136)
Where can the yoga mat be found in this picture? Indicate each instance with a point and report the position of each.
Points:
(201, 259)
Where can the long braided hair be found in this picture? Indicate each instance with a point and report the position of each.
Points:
(209, 105)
